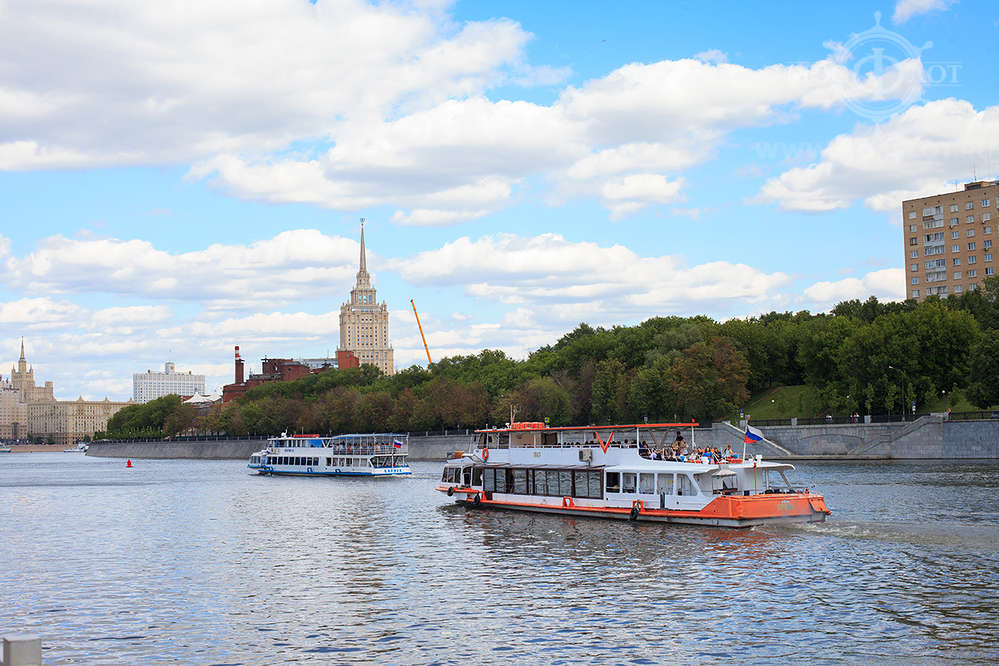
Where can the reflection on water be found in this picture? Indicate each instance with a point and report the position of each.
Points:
(197, 561)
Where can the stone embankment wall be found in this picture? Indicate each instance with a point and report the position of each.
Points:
(432, 447)
(926, 437)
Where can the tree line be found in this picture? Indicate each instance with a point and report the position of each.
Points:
(867, 357)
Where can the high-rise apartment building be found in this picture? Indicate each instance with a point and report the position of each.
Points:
(949, 240)
(150, 385)
(364, 323)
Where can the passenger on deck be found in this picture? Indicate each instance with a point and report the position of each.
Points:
(729, 453)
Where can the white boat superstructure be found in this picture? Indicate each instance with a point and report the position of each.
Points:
(370, 454)
(586, 471)
(81, 447)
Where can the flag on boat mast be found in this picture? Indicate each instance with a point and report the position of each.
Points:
(396, 443)
(752, 434)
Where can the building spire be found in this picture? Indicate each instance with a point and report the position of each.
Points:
(363, 279)
(22, 348)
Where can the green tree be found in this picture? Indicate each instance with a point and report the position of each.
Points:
(983, 379)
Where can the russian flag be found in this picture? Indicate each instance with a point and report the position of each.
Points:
(752, 434)
(396, 443)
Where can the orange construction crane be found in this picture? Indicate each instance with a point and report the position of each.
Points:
(429, 361)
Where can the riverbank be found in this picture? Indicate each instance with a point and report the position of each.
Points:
(38, 448)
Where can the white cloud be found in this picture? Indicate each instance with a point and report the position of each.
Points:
(916, 153)
(628, 131)
(288, 267)
(711, 55)
(562, 282)
(886, 284)
(116, 82)
(906, 9)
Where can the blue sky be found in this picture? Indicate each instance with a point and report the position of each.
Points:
(180, 180)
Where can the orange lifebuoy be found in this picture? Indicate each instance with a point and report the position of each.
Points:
(485, 455)
(568, 503)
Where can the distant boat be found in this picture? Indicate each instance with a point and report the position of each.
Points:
(81, 447)
(4, 449)
(374, 454)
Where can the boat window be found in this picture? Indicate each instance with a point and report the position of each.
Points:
(328, 460)
(551, 487)
(444, 475)
(646, 483)
(628, 482)
(595, 489)
(565, 483)
(466, 477)
(684, 485)
(580, 483)
(665, 484)
(501, 481)
(489, 479)
(476, 476)
(504, 441)
(520, 481)
(613, 482)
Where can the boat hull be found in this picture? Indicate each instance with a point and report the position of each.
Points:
(374, 473)
(730, 511)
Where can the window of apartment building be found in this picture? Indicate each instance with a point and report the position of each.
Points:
(972, 273)
(915, 280)
(969, 205)
(913, 254)
(931, 238)
(957, 289)
(936, 263)
(930, 251)
(972, 260)
(970, 219)
(955, 248)
(937, 209)
(957, 275)
(989, 270)
(953, 221)
(915, 293)
(987, 230)
(986, 217)
(957, 261)
(971, 246)
(912, 214)
(912, 227)
(973, 286)
(971, 233)
(985, 203)
(988, 244)
(988, 259)
(914, 268)
(954, 235)
(953, 208)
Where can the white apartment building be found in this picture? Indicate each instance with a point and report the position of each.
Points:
(150, 385)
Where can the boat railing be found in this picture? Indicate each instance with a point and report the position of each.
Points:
(366, 450)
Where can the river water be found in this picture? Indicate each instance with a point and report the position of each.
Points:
(201, 562)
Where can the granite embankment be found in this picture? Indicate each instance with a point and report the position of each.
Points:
(429, 447)
(926, 437)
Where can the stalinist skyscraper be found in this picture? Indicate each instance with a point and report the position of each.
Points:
(364, 323)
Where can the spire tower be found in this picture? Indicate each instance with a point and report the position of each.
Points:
(363, 279)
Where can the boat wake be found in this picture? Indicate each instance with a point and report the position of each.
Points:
(960, 535)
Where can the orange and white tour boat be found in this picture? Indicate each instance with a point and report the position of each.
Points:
(608, 472)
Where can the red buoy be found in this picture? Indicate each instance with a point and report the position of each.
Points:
(128, 463)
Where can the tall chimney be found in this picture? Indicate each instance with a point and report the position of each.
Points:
(239, 367)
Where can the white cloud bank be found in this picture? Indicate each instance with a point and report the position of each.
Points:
(349, 105)
(915, 154)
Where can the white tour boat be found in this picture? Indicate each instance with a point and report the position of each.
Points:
(374, 454)
(606, 471)
(81, 447)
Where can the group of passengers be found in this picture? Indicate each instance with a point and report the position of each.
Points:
(679, 451)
